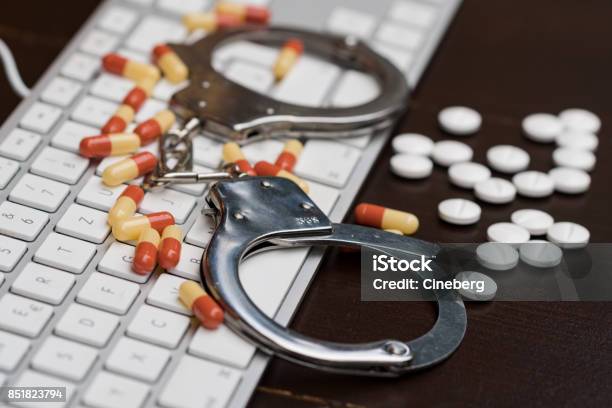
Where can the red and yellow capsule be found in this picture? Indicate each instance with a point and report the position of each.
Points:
(233, 154)
(129, 168)
(170, 247)
(244, 12)
(171, 65)
(131, 228)
(264, 168)
(206, 310)
(126, 205)
(120, 119)
(151, 129)
(386, 218)
(105, 145)
(135, 98)
(130, 69)
(288, 56)
(289, 156)
(145, 256)
(209, 22)
(147, 84)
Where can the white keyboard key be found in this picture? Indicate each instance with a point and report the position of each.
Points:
(155, 30)
(165, 294)
(190, 374)
(64, 358)
(21, 222)
(8, 169)
(84, 223)
(23, 316)
(59, 165)
(99, 43)
(108, 293)
(164, 89)
(134, 55)
(97, 195)
(413, 13)
(93, 111)
(137, 359)
(118, 260)
(183, 6)
(351, 22)
(40, 117)
(221, 345)
(355, 88)
(111, 87)
(207, 152)
(149, 109)
(87, 325)
(327, 162)
(251, 76)
(68, 136)
(11, 251)
(189, 264)
(66, 253)
(81, 67)
(323, 196)
(61, 91)
(400, 36)
(118, 20)
(179, 204)
(298, 87)
(12, 350)
(39, 192)
(33, 379)
(42, 283)
(200, 231)
(400, 58)
(112, 391)
(19, 144)
(196, 189)
(158, 326)
(267, 150)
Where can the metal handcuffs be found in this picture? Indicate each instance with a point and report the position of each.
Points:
(253, 214)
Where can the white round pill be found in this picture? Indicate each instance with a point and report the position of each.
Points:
(459, 120)
(533, 184)
(568, 235)
(537, 222)
(570, 181)
(507, 233)
(497, 256)
(448, 152)
(467, 174)
(478, 286)
(507, 158)
(412, 143)
(411, 166)
(540, 254)
(495, 190)
(578, 140)
(580, 119)
(542, 127)
(576, 158)
(459, 211)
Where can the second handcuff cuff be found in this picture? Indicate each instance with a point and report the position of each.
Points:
(252, 214)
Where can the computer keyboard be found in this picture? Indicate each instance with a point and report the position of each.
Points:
(72, 312)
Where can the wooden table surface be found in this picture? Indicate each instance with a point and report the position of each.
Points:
(506, 59)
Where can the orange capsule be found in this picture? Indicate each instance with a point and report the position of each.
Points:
(151, 129)
(170, 63)
(130, 69)
(249, 13)
(233, 154)
(119, 121)
(135, 98)
(105, 145)
(131, 228)
(288, 56)
(129, 168)
(386, 218)
(206, 310)
(288, 157)
(170, 247)
(264, 168)
(126, 205)
(145, 256)
(209, 22)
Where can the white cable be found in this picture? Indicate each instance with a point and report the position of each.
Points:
(12, 73)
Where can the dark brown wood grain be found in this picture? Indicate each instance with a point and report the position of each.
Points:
(506, 59)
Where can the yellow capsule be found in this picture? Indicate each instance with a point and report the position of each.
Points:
(386, 218)
(206, 310)
(129, 168)
(131, 228)
(147, 84)
(145, 256)
(130, 69)
(172, 66)
(287, 58)
(126, 205)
